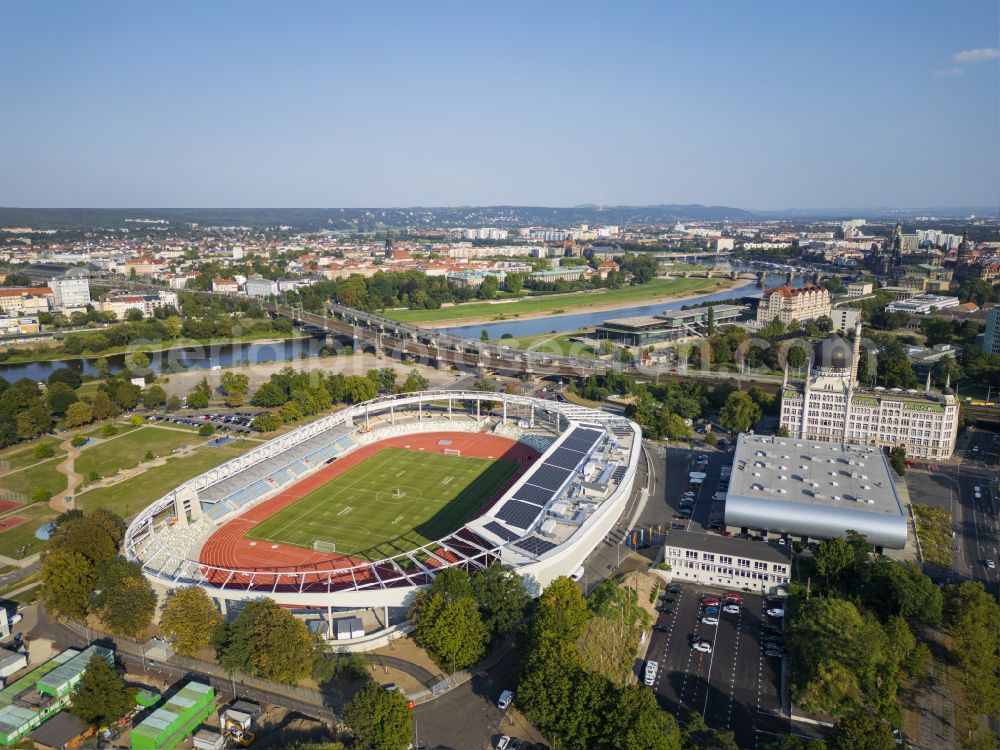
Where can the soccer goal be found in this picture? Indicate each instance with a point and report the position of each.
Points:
(319, 546)
(452, 452)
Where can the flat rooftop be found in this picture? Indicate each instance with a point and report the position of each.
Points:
(734, 546)
(813, 473)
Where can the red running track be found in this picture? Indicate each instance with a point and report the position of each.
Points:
(228, 547)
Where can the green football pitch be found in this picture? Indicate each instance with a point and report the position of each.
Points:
(393, 502)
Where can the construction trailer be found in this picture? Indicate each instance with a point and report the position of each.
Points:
(44, 691)
(167, 726)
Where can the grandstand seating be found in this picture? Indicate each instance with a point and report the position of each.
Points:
(215, 511)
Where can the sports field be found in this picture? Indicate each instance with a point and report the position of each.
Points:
(393, 502)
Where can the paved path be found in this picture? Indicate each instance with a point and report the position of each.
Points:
(60, 503)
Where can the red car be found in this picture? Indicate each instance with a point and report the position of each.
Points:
(710, 602)
(733, 598)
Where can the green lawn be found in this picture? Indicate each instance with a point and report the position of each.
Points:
(394, 502)
(119, 426)
(24, 455)
(129, 497)
(42, 475)
(129, 450)
(550, 343)
(572, 302)
(21, 539)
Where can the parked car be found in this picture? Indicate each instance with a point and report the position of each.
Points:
(674, 589)
(661, 628)
(776, 612)
(503, 743)
(775, 654)
(650, 675)
(733, 597)
(705, 648)
(505, 699)
(709, 620)
(731, 609)
(709, 600)
(989, 564)
(711, 610)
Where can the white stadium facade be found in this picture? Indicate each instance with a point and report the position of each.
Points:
(544, 524)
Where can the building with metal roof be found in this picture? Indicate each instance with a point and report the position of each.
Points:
(168, 725)
(812, 489)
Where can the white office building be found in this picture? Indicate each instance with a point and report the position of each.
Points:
(257, 286)
(832, 406)
(742, 564)
(70, 290)
(922, 304)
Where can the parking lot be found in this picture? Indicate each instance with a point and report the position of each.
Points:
(735, 686)
(236, 422)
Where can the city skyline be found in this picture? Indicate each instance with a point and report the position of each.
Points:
(318, 106)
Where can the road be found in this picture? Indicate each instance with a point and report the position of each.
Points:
(955, 486)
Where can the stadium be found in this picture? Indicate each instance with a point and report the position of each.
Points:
(342, 520)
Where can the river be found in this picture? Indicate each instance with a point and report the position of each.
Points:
(179, 359)
(578, 321)
(291, 350)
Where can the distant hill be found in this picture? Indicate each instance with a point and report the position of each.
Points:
(368, 219)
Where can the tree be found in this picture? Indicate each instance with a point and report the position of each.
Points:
(123, 598)
(415, 382)
(484, 335)
(450, 628)
(197, 399)
(128, 608)
(897, 459)
(739, 413)
(101, 697)
(173, 403)
(269, 395)
(67, 580)
(560, 612)
(44, 450)
(234, 386)
(153, 397)
(635, 722)
(60, 397)
(710, 321)
(267, 641)
(102, 406)
(673, 426)
(860, 730)
(207, 429)
(266, 422)
(833, 557)
(189, 619)
(65, 375)
(381, 718)
(133, 315)
(502, 598)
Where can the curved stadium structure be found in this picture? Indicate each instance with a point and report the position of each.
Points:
(354, 512)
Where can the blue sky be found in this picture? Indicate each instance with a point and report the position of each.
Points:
(763, 105)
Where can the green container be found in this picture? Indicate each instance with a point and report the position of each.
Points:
(147, 698)
(168, 725)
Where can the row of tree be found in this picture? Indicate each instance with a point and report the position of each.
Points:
(292, 395)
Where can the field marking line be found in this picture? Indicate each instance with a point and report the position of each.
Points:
(345, 510)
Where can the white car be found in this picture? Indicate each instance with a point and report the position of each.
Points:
(503, 742)
(705, 648)
(989, 564)
(505, 698)
(776, 612)
(650, 675)
(978, 493)
(731, 609)
(709, 620)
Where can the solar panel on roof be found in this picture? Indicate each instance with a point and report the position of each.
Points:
(534, 545)
(501, 531)
(564, 458)
(529, 493)
(549, 477)
(518, 514)
(579, 444)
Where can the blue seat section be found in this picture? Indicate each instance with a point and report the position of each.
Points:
(298, 468)
(249, 493)
(281, 476)
(324, 454)
(215, 511)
